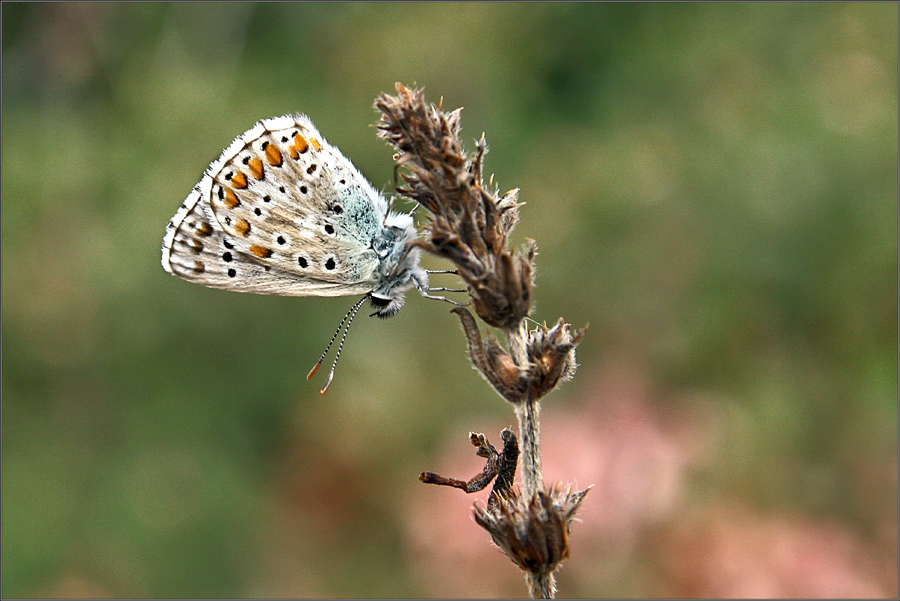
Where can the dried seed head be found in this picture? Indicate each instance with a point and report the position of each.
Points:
(469, 223)
(551, 356)
(548, 361)
(533, 532)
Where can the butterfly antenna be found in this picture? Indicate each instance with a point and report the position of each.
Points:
(348, 315)
(341, 345)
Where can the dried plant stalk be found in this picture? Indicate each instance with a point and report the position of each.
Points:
(469, 224)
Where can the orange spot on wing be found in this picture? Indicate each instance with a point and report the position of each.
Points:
(300, 145)
(261, 251)
(231, 200)
(239, 180)
(242, 227)
(315, 144)
(199, 267)
(273, 155)
(256, 168)
(204, 229)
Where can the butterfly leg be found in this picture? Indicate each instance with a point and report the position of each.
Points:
(443, 298)
(421, 284)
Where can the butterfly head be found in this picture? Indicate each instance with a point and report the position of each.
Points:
(399, 265)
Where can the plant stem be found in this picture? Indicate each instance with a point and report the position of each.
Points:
(541, 586)
(529, 414)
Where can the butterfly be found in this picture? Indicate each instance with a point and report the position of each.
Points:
(283, 212)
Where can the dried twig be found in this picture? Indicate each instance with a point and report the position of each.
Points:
(501, 466)
(469, 225)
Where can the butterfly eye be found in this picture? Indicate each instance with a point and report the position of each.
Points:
(379, 301)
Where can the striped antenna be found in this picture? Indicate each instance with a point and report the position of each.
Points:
(348, 319)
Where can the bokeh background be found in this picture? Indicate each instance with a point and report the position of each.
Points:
(712, 187)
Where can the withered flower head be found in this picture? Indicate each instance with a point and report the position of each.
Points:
(533, 532)
(469, 224)
(549, 359)
(551, 356)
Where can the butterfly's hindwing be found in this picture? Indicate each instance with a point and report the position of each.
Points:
(201, 253)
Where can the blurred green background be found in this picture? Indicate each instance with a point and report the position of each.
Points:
(712, 187)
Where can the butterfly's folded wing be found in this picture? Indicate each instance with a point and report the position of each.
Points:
(279, 212)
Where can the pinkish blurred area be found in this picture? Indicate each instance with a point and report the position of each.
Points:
(649, 527)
